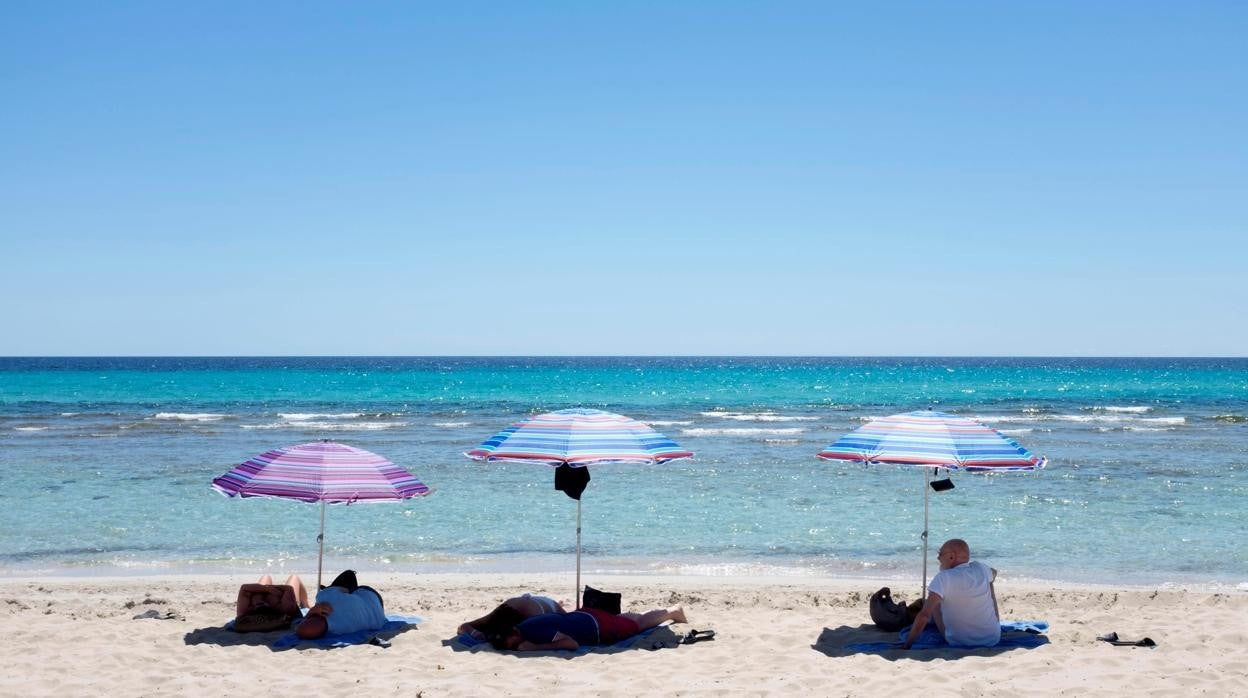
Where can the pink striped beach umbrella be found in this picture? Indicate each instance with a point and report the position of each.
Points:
(322, 471)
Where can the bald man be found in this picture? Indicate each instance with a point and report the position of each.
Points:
(961, 599)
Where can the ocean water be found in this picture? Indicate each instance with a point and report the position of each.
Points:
(105, 466)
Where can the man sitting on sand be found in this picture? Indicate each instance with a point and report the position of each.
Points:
(961, 599)
(343, 607)
(569, 631)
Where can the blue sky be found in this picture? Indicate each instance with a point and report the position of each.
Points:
(218, 178)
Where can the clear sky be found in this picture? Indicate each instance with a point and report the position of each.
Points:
(406, 178)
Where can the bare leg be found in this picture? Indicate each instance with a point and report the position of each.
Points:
(301, 592)
(243, 604)
(265, 579)
(650, 619)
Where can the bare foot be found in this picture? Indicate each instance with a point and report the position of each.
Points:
(677, 614)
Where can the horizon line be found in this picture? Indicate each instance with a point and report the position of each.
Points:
(622, 356)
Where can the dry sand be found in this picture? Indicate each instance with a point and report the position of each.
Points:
(775, 636)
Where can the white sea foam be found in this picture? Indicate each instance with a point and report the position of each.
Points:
(741, 432)
(735, 569)
(29, 428)
(1015, 431)
(1141, 409)
(991, 419)
(328, 426)
(452, 425)
(667, 423)
(758, 417)
(1119, 419)
(189, 416)
(781, 441)
(305, 417)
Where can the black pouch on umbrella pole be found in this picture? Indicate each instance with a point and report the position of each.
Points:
(571, 481)
(942, 485)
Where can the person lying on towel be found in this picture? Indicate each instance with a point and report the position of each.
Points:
(569, 631)
(265, 606)
(527, 605)
(961, 599)
(343, 607)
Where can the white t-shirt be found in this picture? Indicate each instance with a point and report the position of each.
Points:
(966, 605)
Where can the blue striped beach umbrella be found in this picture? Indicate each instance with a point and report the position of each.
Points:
(571, 440)
(932, 440)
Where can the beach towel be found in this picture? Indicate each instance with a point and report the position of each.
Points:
(394, 623)
(468, 642)
(1015, 634)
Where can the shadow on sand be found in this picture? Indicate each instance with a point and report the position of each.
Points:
(659, 638)
(846, 640)
(223, 637)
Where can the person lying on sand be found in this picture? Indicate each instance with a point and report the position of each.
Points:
(265, 606)
(343, 607)
(527, 606)
(569, 631)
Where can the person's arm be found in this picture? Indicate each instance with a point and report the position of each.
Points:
(930, 608)
(558, 642)
(473, 627)
(992, 589)
(470, 630)
(247, 594)
(476, 628)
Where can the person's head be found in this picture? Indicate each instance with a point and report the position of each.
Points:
(501, 620)
(500, 627)
(312, 627)
(509, 640)
(954, 552)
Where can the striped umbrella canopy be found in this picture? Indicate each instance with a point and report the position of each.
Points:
(322, 471)
(931, 440)
(578, 438)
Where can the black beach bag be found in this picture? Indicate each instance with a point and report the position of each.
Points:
(886, 613)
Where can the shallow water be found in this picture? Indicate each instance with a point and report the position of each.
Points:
(105, 465)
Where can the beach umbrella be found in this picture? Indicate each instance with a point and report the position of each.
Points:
(570, 441)
(322, 471)
(932, 440)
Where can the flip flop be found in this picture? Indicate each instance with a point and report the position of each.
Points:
(697, 636)
(1112, 638)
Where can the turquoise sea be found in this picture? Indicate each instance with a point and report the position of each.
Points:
(105, 466)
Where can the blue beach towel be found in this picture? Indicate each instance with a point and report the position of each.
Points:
(394, 622)
(1015, 634)
(469, 642)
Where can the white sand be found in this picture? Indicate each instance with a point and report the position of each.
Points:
(77, 636)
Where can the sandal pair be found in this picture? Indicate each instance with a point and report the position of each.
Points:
(1112, 638)
(697, 636)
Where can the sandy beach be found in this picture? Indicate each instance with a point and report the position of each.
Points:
(79, 636)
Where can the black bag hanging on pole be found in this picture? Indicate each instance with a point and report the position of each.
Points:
(571, 481)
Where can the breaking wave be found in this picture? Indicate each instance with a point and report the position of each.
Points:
(741, 431)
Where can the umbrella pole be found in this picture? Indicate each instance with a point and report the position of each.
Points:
(578, 552)
(927, 477)
(320, 555)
